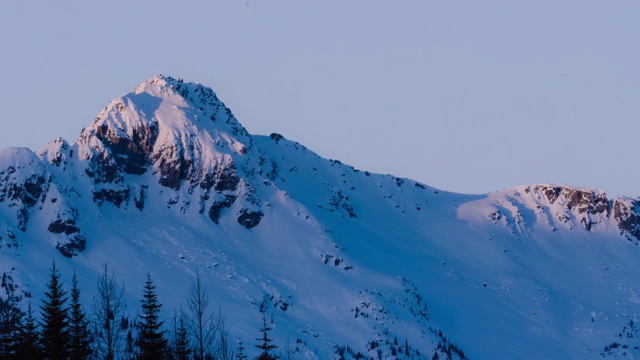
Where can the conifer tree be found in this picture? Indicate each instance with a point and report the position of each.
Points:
(129, 352)
(181, 338)
(55, 319)
(10, 320)
(29, 345)
(78, 326)
(151, 342)
(240, 355)
(266, 343)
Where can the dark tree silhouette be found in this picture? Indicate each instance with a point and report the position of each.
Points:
(29, 345)
(266, 343)
(152, 344)
(181, 347)
(10, 319)
(55, 319)
(240, 355)
(80, 345)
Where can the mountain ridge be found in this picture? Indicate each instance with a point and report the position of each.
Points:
(166, 179)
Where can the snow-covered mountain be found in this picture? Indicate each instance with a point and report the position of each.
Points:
(166, 180)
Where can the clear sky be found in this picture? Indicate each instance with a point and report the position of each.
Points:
(467, 96)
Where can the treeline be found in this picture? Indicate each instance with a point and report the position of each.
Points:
(65, 331)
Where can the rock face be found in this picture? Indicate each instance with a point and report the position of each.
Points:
(590, 203)
(562, 207)
(626, 214)
(179, 140)
(581, 201)
(166, 134)
(24, 182)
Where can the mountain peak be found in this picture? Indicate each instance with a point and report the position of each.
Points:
(176, 128)
(170, 103)
(164, 86)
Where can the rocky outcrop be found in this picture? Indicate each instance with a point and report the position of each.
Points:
(580, 201)
(24, 183)
(116, 197)
(216, 208)
(562, 207)
(249, 218)
(132, 153)
(67, 226)
(7, 237)
(587, 206)
(57, 153)
(626, 213)
(74, 242)
(590, 202)
(101, 167)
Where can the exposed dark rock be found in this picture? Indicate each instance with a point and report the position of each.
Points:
(625, 212)
(174, 167)
(349, 209)
(58, 158)
(203, 199)
(102, 169)
(551, 192)
(218, 205)
(276, 137)
(7, 237)
(273, 172)
(64, 226)
(131, 154)
(23, 219)
(249, 219)
(23, 194)
(227, 179)
(30, 191)
(75, 245)
(586, 201)
(170, 170)
(591, 202)
(587, 223)
(138, 200)
(115, 197)
(339, 200)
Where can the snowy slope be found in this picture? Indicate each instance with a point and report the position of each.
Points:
(166, 179)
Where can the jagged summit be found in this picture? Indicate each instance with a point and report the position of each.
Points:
(165, 135)
(179, 130)
(166, 123)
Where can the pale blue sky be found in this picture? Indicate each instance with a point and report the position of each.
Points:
(467, 96)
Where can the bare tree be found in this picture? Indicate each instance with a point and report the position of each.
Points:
(201, 322)
(289, 351)
(226, 349)
(108, 308)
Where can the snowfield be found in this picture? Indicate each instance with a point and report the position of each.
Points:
(167, 180)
